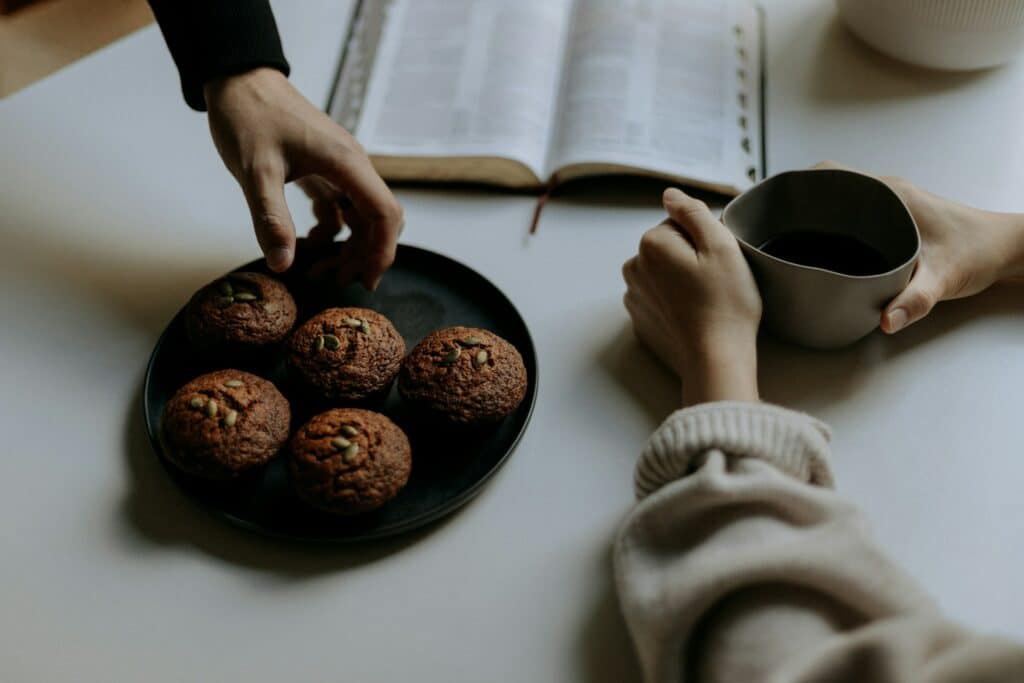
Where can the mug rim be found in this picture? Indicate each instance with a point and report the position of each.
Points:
(912, 259)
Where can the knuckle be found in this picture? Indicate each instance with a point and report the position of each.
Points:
(652, 243)
(901, 185)
(272, 229)
(394, 212)
(383, 259)
(956, 286)
(341, 139)
(263, 169)
(923, 300)
(354, 146)
(722, 243)
(317, 189)
(266, 213)
(691, 206)
(931, 297)
(388, 213)
(379, 254)
(342, 149)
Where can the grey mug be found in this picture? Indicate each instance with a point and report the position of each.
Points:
(812, 306)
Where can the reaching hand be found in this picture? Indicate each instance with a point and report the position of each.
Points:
(963, 251)
(268, 134)
(694, 302)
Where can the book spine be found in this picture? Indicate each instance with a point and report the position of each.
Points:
(357, 60)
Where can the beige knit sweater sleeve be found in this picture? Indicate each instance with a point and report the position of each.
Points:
(740, 564)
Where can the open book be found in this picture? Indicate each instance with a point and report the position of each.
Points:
(527, 93)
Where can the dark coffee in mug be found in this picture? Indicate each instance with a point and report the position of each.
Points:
(839, 253)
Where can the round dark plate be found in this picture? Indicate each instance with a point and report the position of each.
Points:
(422, 292)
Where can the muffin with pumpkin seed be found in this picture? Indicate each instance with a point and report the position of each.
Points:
(345, 355)
(348, 461)
(463, 376)
(223, 424)
(240, 314)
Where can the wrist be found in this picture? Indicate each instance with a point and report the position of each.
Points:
(724, 370)
(1013, 266)
(256, 81)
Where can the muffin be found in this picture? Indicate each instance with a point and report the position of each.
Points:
(347, 461)
(346, 355)
(241, 313)
(463, 376)
(224, 423)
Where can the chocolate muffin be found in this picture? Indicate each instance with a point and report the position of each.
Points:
(346, 354)
(463, 375)
(240, 313)
(224, 423)
(347, 461)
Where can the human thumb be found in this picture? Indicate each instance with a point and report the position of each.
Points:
(914, 302)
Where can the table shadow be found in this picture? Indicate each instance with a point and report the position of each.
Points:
(605, 647)
(812, 380)
(848, 69)
(158, 513)
(145, 291)
(644, 378)
(797, 377)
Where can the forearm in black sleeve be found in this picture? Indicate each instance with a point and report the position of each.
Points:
(212, 39)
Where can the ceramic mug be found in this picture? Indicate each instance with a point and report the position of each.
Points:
(812, 306)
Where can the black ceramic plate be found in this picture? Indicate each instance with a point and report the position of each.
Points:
(422, 292)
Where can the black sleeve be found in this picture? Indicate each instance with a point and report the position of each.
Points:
(211, 39)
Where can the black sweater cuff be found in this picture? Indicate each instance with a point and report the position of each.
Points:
(212, 39)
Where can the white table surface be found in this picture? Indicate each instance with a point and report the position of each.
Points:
(114, 208)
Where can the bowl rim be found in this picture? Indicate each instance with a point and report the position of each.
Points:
(909, 261)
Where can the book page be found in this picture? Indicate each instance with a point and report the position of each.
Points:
(664, 86)
(466, 78)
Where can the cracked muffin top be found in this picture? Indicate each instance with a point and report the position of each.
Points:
(241, 313)
(463, 375)
(347, 461)
(346, 354)
(224, 423)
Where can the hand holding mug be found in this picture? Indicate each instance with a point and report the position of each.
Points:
(964, 251)
(693, 301)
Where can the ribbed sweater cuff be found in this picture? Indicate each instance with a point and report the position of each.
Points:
(795, 443)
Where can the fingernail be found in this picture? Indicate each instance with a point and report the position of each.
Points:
(672, 194)
(897, 319)
(279, 258)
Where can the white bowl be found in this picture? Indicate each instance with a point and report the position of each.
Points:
(942, 34)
